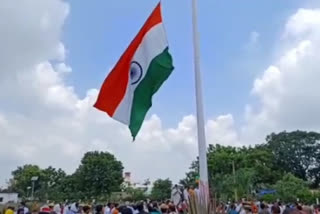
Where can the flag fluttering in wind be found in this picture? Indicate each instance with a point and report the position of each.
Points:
(126, 94)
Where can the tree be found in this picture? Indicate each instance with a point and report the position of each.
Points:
(255, 168)
(51, 181)
(191, 176)
(161, 189)
(21, 181)
(99, 174)
(47, 185)
(297, 152)
(289, 188)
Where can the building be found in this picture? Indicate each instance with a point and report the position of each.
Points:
(8, 198)
(127, 177)
(145, 186)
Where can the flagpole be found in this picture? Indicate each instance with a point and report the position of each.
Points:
(202, 146)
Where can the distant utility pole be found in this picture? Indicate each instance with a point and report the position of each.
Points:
(33, 180)
(234, 181)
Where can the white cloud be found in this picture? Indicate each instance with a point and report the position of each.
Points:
(288, 90)
(223, 131)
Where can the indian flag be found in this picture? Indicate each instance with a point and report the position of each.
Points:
(126, 94)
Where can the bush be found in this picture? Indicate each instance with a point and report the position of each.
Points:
(269, 198)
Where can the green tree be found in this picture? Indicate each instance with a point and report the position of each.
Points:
(21, 181)
(46, 187)
(99, 174)
(289, 188)
(255, 168)
(161, 189)
(191, 176)
(51, 181)
(297, 152)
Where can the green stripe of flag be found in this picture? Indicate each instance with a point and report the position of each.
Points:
(159, 70)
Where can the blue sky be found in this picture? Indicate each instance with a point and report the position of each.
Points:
(97, 32)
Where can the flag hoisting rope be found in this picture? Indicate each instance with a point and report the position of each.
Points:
(203, 184)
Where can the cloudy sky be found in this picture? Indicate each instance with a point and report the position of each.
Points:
(260, 64)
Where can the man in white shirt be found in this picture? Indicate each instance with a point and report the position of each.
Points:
(107, 209)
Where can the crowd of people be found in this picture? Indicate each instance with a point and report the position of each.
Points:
(259, 207)
(144, 207)
(168, 207)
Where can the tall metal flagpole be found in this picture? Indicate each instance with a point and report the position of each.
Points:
(203, 186)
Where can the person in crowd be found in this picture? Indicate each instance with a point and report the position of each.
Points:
(74, 209)
(176, 195)
(254, 208)
(24, 207)
(45, 209)
(9, 210)
(57, 208)
(307, 209)
(287, 209)
(107, 209)
(115, 209)
(35, 208)
(275, 209)
(172, 209)
(264, 209)
(221, 209)
(99, 209)
(140, 208)
(66, 208)
(128, 205)
(51, 206)
(232, 209)
(164, 208)
(154, 208)
(239, 206)
(135, 209)
(126, 210)
(316, 209)
(186, 194)
(191, 192)
(86, 209)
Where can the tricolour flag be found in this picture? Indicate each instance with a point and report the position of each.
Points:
(126, 94)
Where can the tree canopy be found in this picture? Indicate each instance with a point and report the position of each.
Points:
(261, 166)
(290, 188)
(98, 175)
(288, 162)
(297, 153)
(161, 189)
